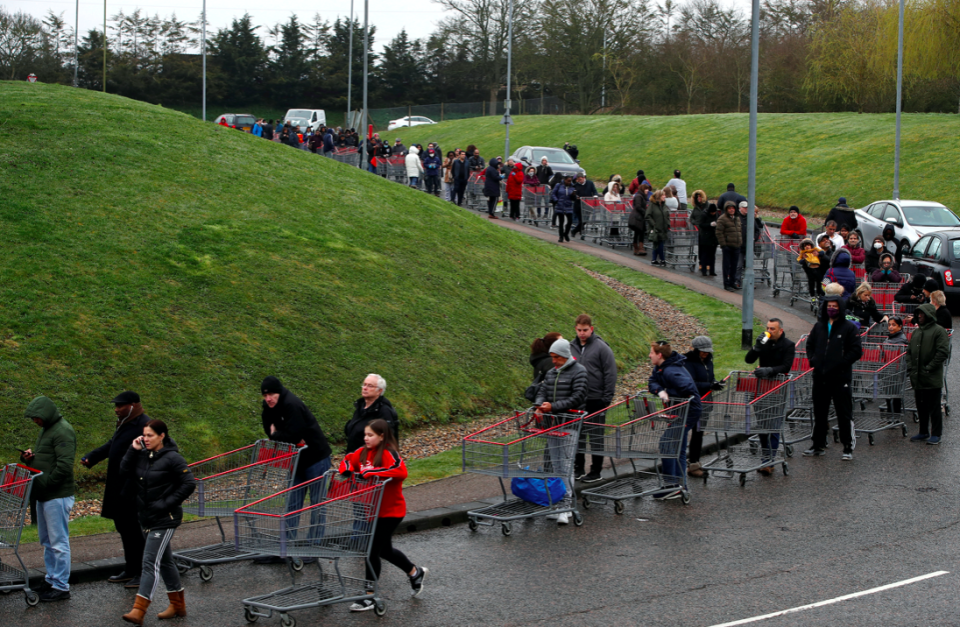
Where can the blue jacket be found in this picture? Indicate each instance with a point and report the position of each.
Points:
(700, 371)
(491, 186)
(257, 130)
(673, 377)
(841, 273)
(431, 164)
(562, 196)
(328, 141)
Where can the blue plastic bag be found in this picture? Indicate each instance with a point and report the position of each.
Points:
(532, 490)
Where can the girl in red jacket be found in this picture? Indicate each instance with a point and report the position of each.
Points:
(379, 458)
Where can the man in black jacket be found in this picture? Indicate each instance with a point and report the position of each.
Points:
(585, 189)
(730, 195)
(776, 355)
(120, 492)
(832, 348)
(843, 215)
(461, 175)
(371, 405)
(597, 358)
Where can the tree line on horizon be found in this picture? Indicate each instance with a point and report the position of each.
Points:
(619, 56)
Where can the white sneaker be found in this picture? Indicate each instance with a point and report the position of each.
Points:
(563, 519)
(362, 606)
(553, 516)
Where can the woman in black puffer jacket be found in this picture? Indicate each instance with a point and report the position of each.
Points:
(164, 482)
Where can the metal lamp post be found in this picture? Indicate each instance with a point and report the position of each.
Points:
(363, 115)
(507, 120)
(346, 122)
(896, 148)
(746, 338)
(203, 53)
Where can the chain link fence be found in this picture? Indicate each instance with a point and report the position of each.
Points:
(381, 118)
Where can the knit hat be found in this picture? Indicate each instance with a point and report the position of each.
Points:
(843, 200)
(562, 348)
(919, 280)
(702, 343)
(731, 187)
(271, 385)
(125, 398)
(794, 208)
(931, 285)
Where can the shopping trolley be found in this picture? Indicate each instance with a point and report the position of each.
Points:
(764, 258)
(16, 482)
(878, 379)
(527, 445)
(788, 274)
(884, 293)
(536, 208)
(593, 216)
(339, 525)
(747, 405)
(229, 481)
(680, 249)
(351, 157)
(616, 232)
(640, 427)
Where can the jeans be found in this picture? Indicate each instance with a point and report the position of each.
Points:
(371, 168)
(53, 519)
(928, 411)
(448, 191)
(414, 181)
(674, 470)
(769, 443)
(730, 256)
(658, 252)
(158, 563)
(560, 455)
(296, 498)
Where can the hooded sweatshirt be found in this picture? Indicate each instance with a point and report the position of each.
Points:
(912, 293)
(928, 349)
(491, 183)
(413, 164)
(833, 347)
(53, 453)
(672, 376)
(515, 182)
(794, 228)
(881, 275)
(891, 245)
(294, 423)
(840, 271)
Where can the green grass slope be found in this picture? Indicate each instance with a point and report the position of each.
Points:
(808, 160)
(143, 249)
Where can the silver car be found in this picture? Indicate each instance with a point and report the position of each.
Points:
(911, 219)
(557, 158)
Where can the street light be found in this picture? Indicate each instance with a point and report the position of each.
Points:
(746, 337)
(203, 52)
(363, 115)
(76, 54)
(350, 70)
(896, 148)
(507, 120)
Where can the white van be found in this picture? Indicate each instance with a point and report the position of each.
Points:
(306, 118)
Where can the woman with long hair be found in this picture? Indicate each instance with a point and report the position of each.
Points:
(164, 482)
(379, 457)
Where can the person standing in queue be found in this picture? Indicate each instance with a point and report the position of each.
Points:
(596, 356)
(120, 491)
(371, 405)
(832, 348)
(776, 354)
(164, 482)
(699, 363)
(287, 419)
(927, 352)
(379, 458)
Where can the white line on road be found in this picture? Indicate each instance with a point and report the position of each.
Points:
(846, 597)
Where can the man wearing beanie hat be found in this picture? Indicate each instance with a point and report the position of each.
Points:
(794, 225)
(52, 494)
(912, 293)
(699, 363)
(564, 388)
(286, 418)
(843, 215)
(120, 493)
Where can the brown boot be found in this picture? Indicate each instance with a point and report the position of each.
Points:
(636, 249)
(135, 615)
(643, 251)
(178, 607)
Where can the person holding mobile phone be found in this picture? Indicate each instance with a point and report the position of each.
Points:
(120, 491)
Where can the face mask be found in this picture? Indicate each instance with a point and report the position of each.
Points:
(878, 245)
(831, 312)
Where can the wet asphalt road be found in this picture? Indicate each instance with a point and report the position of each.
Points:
(828, 529)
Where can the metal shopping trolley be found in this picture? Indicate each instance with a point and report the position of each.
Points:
(616, 232)
(16, 482)
(680, 249)
(640, 427)
(788, 274)
(229, 481)
(351, 157)
(536, 208)
(745, 406)
(878, 377)
(339, 523)
(527, 445)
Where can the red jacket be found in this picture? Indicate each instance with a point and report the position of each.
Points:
(515, 182)
(794, 227)
(361, 461)
(857, 255)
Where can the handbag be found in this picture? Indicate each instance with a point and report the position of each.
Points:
(531, 392)
(532, 490)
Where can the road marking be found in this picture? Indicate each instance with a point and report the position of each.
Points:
(846, 597)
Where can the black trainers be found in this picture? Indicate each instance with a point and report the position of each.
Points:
(593, 477)
(578, 475)
(54, 595)
(814, 452)
(847, 454)
(416, 581)
(133, 583)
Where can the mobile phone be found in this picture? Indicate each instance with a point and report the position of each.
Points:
(20, 449)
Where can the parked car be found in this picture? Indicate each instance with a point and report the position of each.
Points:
(410, 120)
(242, 121)
(557, 158)
(911, 219)
(304, 119)
(936, 255)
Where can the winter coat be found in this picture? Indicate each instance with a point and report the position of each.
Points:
(120, 492)
(431, 164)
(460, 171)
(542, 363)
(892, 245)
(728, 230)
(293, 139)
(672, 376)
(392, 467)
(164, 482)
(857, 255)
(544, 174)
(447, 170)
(597, 357)
(871, 259)
(729, 196)
(840, 271)
(699, 210)
(707, 234)
(911, 293)
(565, 388)
(294, 424)
(491, 183)
(833, 349)
(944, 317)
(929, 347)
(864, 312)
(842, 214)
(794, 228)
(757, 229)
(637, 220)
(413, 164)
(476, 163)
(362, 415)
(399, 150)
(562, 197)
(658, 223)
(515, 182)
(531, 181)
(584, 190)
(701, 371)
(776, 355)
(328, 143)
(53, 453)
(885, 276)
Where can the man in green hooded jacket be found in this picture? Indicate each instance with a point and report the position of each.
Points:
(52, 493)
(928, 350)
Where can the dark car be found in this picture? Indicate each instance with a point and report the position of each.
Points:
(241, 121)
(936, 255)
(557, 158)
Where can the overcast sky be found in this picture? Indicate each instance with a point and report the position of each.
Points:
(418, 17)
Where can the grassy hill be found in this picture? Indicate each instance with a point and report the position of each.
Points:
(807, 160)
(143, 249)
